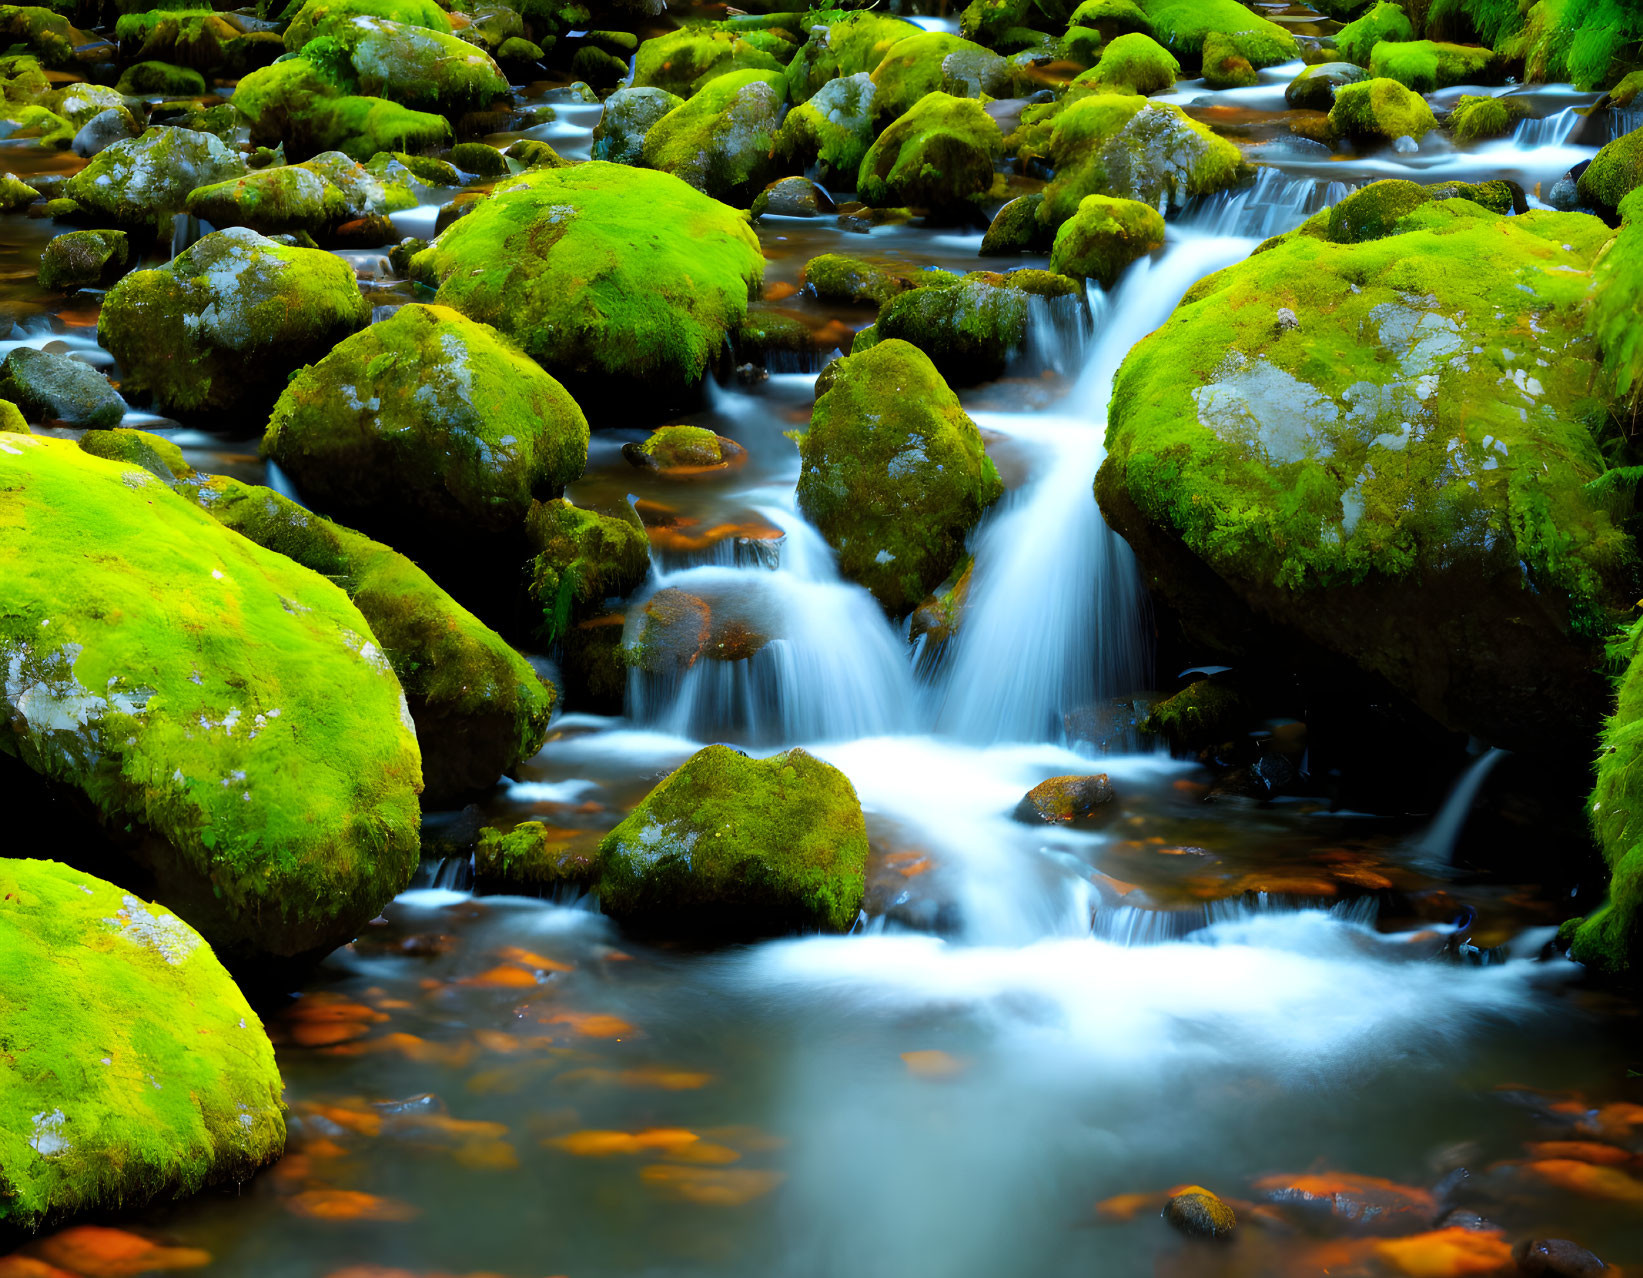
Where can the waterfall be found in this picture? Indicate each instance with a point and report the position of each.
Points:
(1436, 845)
(1552, 130)
(1272, 204)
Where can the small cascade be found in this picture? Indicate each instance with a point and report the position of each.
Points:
(1622, 120)
(281, 483)
(1551, 130)
(1058, 333)
(1437, 844)
(1275, 203)
(1132, 926)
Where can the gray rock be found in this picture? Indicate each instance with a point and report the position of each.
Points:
(59, 388)
(620, 134)
(102, 131)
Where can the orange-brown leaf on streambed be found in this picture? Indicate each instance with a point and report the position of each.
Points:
(456, 1129)
(388, 1271)
(602, 1144)
(18, 1266)
(513, 954)
(1615, 1122)
(1448, 1253)
(1124, 1207)
(932, 1064)
(487, 1155)
(1608, 1183)
(749, 1138)
(348, 1204)
(314, 1008)
(325, 1033)
(506, 976)
(705, 1152)
(711, 1187)
(1582, 1151)
(420, 1050)
(357, 1117)
(94, 1251)
(1367, 1204)
(497, 1041)
(591, 1024)
(779, 291)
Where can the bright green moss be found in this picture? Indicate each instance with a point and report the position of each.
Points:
(1475, 118)
(854, 281)
(316, 197)
(606, 275)
(1224, 66)
(79, 103)
(1625, 93)
(292, 103)
(1612, 937)
(1015, 228)
(161, 79)
(933, 62)
(1614, 172)
(135, 1069)
(530, 857)
(43, 125)
(840, 45)
(317, 16)
(12, 421)
(416, 67)
(144, 180)
(987, 22)
(15, 193)
(971, 327)
(1590, 42)
(1112, 18)
(682, 61)
(1182, 26)
(1425, 65)
(833, 129)
(1205, 713)
(22, 78)
(533, 153)
(428, 420)
(1104, 236)
(1135, 64)
(40, 32)
(224, 321)
(483, 160)
(1385, 23)
(721, 139)
(1385, 208)
(208, 42)
(153, 453)
(1380, 110)
(583, 558)
(1393, 468)
(1614, 318)
(680, 448)
(938, 156)
(893, 472)
(748, 844)
(228, 706)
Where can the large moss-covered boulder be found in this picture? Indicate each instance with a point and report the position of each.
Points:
(583, 561)
(1425, 65)
(1104, 236)
(1224, 66)
(160, 79)
(83, 259)
(832, 130)
(729, 843)
(293, 104)
(1134, 64)
(840, 45)
(893, 472)
(316, 197)
(1313, 89)
(1381, 208)
(1476, 117)
(428, 424)
(135, 1069)
(225, 321)
(144, 180)
(225, 714)
(721, 139)
(1614, 317)
(856, 281)
(619, 281)
(938, 156)
(205, 41)
(1615, 171)
(59, 388)
(41, 32)
(412, 65)
(627, 117)
(1382, 446)
(934, 62)
(972, 327)
(1380, 111)
(1125, 146)
(1384, 23)
(1111, 18)
(479, 707)
(683, 61)
(316, 17)
(1182, 26)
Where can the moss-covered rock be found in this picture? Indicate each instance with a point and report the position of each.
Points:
(720, 141)
(1063, 800)
(1182, 26)
(1315, 87)
(1015, 228)
(1475, 118)
(584, 559)
(831, 130)
(616, 280)
(412, 65)
(1135, 64)
(226, 713)
(479, 707)
(740, 844)
(160, 79)
(1381, 446)
(675, 630)
(687, 448)
(1425, 65)
(839, 45)
(153, 453)
(316, 196)
(39, 32)
(893, 472)
(1207, 712)
(207, 42)
(1224, 66)
(937, 156)
(531, 857)
(428, 421)
(682, 61)
(135, 1069)
(12, 421)
(1386, 22)
(59, 388)
(1380, 111)
(484, 161)
(15, 193)
(1615, 171)
(855, 281)
(1614, 318)
(318, 17)
(1384, 208)
(142, 181)
(83, 259)
(972, 327)
(1111, 18)
(534, 154)
(628, 115)
(934, 62)
(225, 321)
(1104, 236)
(291, 103)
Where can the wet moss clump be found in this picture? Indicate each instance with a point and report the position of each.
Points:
(681, 448)
(893, 472)
(743, 845)
(1203, 714)
(135, 1069)
(531, 857)
(424, 69)
(1224, 66)
(619, 280)
(315, 197)
(226, 320)
(1615, 171)
(226, 713)
(1134, 64)
(1182, 26)
(428, 420)
(854, 281)
(1380, 110)
(315, 16)
(1475, 118)
(839, 45)
(933, 62)
(583, 560)
(1614, 318)
(1426, 65)
(294, 104)
(832, 130)
(83, 259)
(682, 62)
(938, 156)
(971, 327)
(720, 141)
(160, 79)
(1384, 208)
(1386, 22)
(1104, 236)
(142, 181)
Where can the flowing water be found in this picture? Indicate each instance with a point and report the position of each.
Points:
(1027, 1021)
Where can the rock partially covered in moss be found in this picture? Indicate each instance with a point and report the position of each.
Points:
(423, 69)
(584, 559)
(1182, 27)
(291, 103)
(742, 845)
(15, 193)
(226, 713)
(531, 857)
(938, 156)
(893, 472)
(972, 327)
(1426, 65)
(59, 388)
(143, 180)
(1111, 18)
(226, 320)
(1062, 800)
(153, 453)
(208, 42)
(1380, 111)
(316, 197)
(1385, 22)
(1134, 64)
(721, 139)
(840, 45)
(1366, 451)
(1385, 208)
(428, 424)
(12, 421)
(160, 79)
(1197, 1213)
(83, 259)
(1615, 172)
(479, 708)
(618, 281)
(832, 130)
(315, 17)
(1315, 87)
(1614, 318)
(39, 31)
(135, 1069)
(1224, 66)
(1015, 228)
(691, 448)
(934, 62)
(1205, 713)
(1474, 118)
(683, 61)
(854, 281)
(628, 115)
(1104, 236)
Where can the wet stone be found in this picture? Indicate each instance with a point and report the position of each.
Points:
(1197, 1213)
(1557, 1258)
